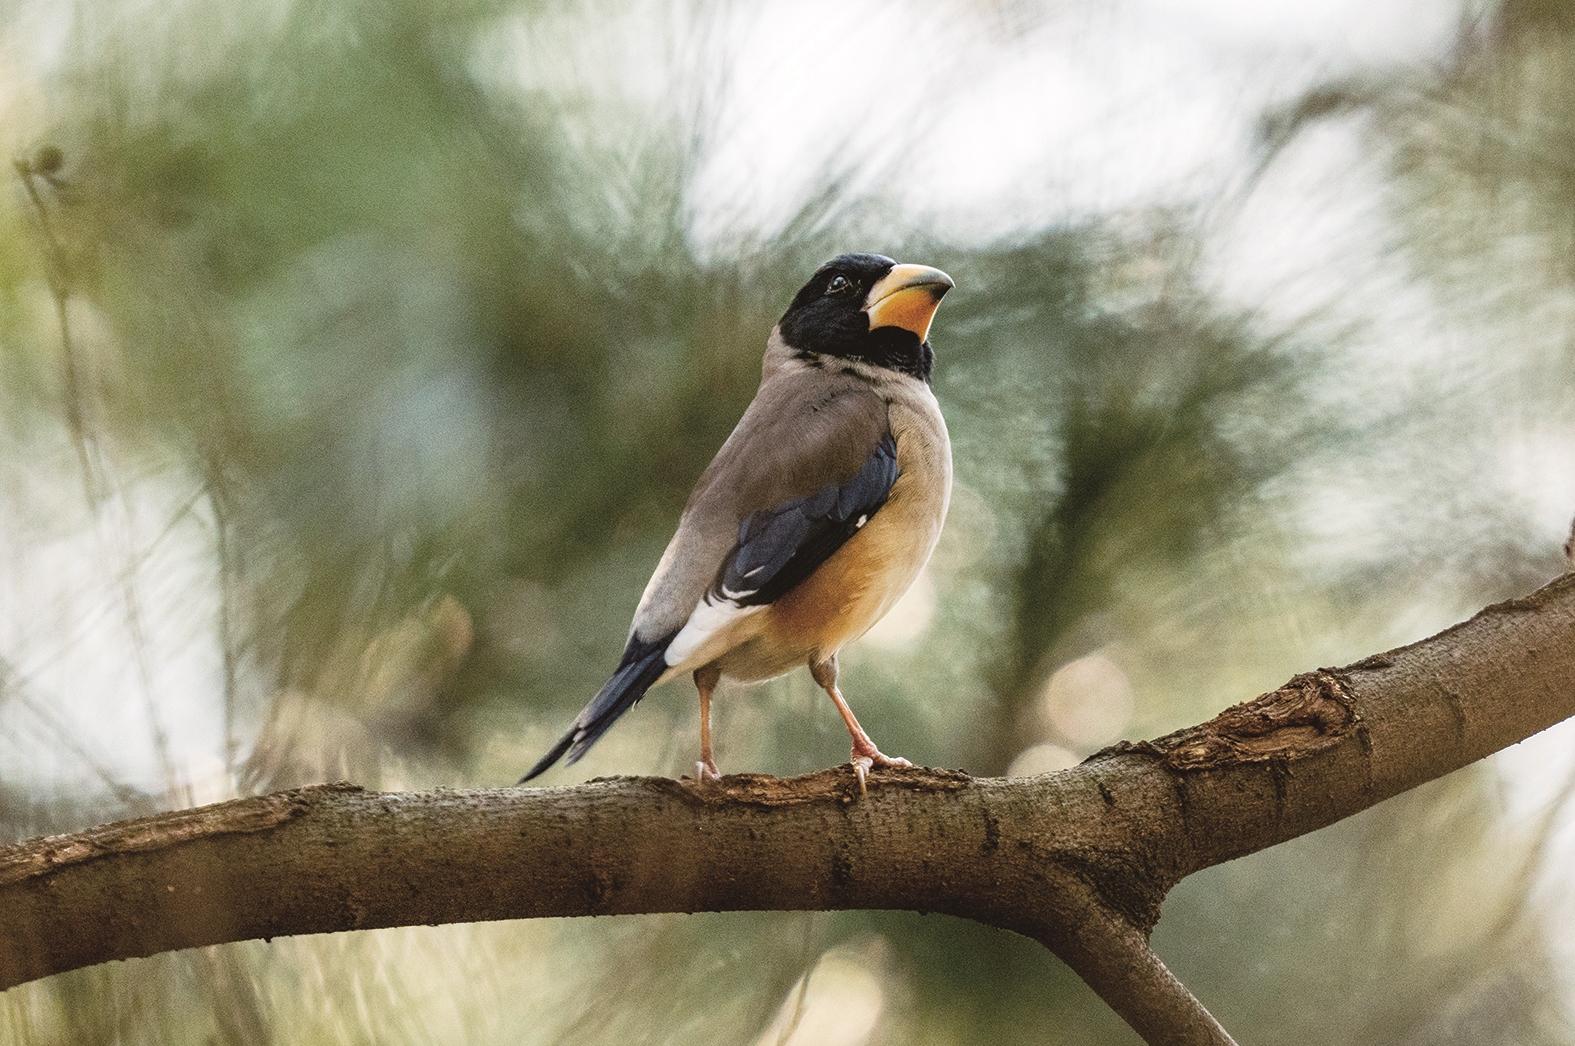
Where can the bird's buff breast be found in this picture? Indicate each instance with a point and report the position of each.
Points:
(857, 586)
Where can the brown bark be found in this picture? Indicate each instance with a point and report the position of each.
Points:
(1079, 860)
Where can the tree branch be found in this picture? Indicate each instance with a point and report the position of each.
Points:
(1079, 860)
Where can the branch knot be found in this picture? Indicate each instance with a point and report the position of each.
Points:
(1312, 712)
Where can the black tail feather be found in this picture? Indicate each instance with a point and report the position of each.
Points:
(545, 762)
(641, 666)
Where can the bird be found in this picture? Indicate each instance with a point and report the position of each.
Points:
(815, 516)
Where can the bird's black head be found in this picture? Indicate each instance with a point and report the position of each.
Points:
(867, 307)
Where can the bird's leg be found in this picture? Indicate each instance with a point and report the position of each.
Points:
(865, 756)
(705, 682)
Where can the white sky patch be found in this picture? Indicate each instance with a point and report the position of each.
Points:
(1344, 33)
(1054, 129)
(1097, 108)
(101, 617)
(983, 135)
(1539, 466)
(1539, 775)
(1304, 236)
(977, 122)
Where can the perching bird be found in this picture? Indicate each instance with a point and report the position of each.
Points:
(814, 517)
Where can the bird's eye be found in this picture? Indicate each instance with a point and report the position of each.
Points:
(839, 285)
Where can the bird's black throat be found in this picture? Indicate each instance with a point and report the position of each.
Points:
(886, 347)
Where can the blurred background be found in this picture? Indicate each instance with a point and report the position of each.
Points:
(356, 359)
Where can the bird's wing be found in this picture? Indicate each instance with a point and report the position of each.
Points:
(779, 547)
(810, 461)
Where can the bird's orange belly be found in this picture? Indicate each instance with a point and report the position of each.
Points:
(849, 593)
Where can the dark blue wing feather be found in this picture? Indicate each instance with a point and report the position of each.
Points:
(780, 547)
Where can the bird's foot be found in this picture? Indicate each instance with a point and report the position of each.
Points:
(706, 771)
(867, 757)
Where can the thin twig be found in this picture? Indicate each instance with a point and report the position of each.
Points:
(93, 474)
(222, 551)
(58, 277)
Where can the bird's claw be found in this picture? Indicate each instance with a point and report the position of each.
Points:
(862, 765)
(706, 771)
(864, 762)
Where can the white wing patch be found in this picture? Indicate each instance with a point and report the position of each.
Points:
(708, 626)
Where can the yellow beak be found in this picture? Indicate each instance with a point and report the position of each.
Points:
(907, 297)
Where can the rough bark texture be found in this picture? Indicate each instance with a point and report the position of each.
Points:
(1080, 860)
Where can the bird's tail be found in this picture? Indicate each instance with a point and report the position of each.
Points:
(641, 666)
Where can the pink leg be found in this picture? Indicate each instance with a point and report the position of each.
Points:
(865, 756)
(705, 682)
